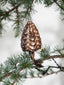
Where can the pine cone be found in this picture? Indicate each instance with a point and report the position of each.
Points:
(30, 40)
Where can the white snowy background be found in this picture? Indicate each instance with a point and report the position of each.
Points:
(51, 31)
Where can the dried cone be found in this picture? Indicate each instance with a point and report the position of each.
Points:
(30, 40)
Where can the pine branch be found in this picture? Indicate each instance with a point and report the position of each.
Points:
(17, 22)
(15, 7)
(56, 62)
(22, 62)
(45, 75)
(53, 72)
(10, 10)
(29, 8)
(59, 5)
(51, 57)
(2, 15)
(8, 74)
(42, 76)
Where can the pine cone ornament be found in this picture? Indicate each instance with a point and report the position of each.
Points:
(30, 40)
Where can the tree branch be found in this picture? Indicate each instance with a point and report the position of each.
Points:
(2, 15)
(18, 21)
(45, 75)
(28, 8)
(58, 5)
(10, 10)
(51, 57)
(54, 56)
(8, 74)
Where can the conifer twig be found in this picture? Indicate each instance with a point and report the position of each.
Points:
(28, 9)
(55, 62)
(18, 21)
(44, 75)
(51, 57)
(58, 5)
(5, 13)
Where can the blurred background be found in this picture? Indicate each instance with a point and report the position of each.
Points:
(48, 22)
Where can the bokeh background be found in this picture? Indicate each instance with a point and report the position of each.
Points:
(51, 29)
